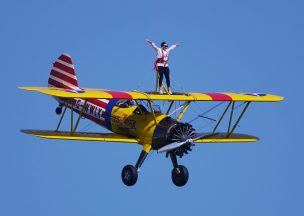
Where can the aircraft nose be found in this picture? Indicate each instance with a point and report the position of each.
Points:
(184, 137)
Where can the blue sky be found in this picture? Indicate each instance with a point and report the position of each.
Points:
(238, 46)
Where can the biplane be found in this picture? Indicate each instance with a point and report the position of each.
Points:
(132, 117)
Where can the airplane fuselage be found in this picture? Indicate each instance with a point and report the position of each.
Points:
(129, 120)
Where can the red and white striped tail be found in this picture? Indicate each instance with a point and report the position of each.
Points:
(63, 73)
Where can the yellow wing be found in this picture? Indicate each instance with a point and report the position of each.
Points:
(111, 137)
(66, 135)
(222, 138)
(88, 93)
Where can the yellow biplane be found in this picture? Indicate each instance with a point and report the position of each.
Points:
(132, 117)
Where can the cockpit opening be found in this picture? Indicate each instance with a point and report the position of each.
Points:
(125, 103)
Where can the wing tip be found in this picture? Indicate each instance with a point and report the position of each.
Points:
(27, 88)
(23, 131)
(27, 131)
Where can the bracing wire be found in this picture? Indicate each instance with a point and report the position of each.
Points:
(147, 78)
(207, 122)
(207, 111)
(176, 83)
(88, 126)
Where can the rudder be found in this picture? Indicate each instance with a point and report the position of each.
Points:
(63, 73)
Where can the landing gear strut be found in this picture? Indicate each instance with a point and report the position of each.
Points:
(129, 173)
(179, 174)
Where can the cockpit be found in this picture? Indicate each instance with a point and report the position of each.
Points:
(125, 103)
(140, 109)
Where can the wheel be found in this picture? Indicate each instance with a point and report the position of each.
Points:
(129, 175)
(180, 175)
(58, 110)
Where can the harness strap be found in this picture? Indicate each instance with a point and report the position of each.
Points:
(160, 60)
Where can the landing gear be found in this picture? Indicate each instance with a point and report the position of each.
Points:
(179, 174)
(129, 173)
(58, 110)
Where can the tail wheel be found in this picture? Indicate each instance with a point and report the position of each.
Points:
(58, 110)
(180, 175)
(129, 175)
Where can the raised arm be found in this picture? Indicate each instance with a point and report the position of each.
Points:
(172, 47)
(152, 44)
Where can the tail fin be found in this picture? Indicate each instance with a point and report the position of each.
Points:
(63, 73)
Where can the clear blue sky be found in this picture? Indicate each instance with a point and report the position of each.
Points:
(236, 46)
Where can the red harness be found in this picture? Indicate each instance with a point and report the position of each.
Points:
(160, 60)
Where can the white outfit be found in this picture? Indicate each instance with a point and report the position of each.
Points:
(163, 54)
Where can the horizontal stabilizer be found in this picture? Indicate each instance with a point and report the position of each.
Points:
(81, 136)
(222, 138)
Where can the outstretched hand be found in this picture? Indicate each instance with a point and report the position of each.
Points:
(149, 41)
(177, 44)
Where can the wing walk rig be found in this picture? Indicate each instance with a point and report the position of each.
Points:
(134, 123)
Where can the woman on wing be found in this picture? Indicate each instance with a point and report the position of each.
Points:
(161, 63)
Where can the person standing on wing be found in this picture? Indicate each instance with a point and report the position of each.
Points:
(161, 63)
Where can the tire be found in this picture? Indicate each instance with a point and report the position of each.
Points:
(129, 175)
(58, 110)
(180, 175)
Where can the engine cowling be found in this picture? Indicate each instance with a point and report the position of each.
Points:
(168, 131)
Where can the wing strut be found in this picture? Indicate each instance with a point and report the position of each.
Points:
(152, 110)
(230, 131)
(221, 118)
(238, 120)
(169, 108)
(61, 118)
(140, 110)
(66, 105)
(80, 115)
(72, 112)
(181, 114)
(230, 118)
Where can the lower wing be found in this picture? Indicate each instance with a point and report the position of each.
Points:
(111, 137)
(82, 136)
(223, 138)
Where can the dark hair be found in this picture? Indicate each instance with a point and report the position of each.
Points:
(162, 44)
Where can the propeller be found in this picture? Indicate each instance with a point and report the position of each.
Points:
(180, 139)
(176, 145)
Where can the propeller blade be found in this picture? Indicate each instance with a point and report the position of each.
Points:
(171, 146)
(175, 145)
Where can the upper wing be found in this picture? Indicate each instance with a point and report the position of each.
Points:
(222, 138)
(66, 135)
(88, 93)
